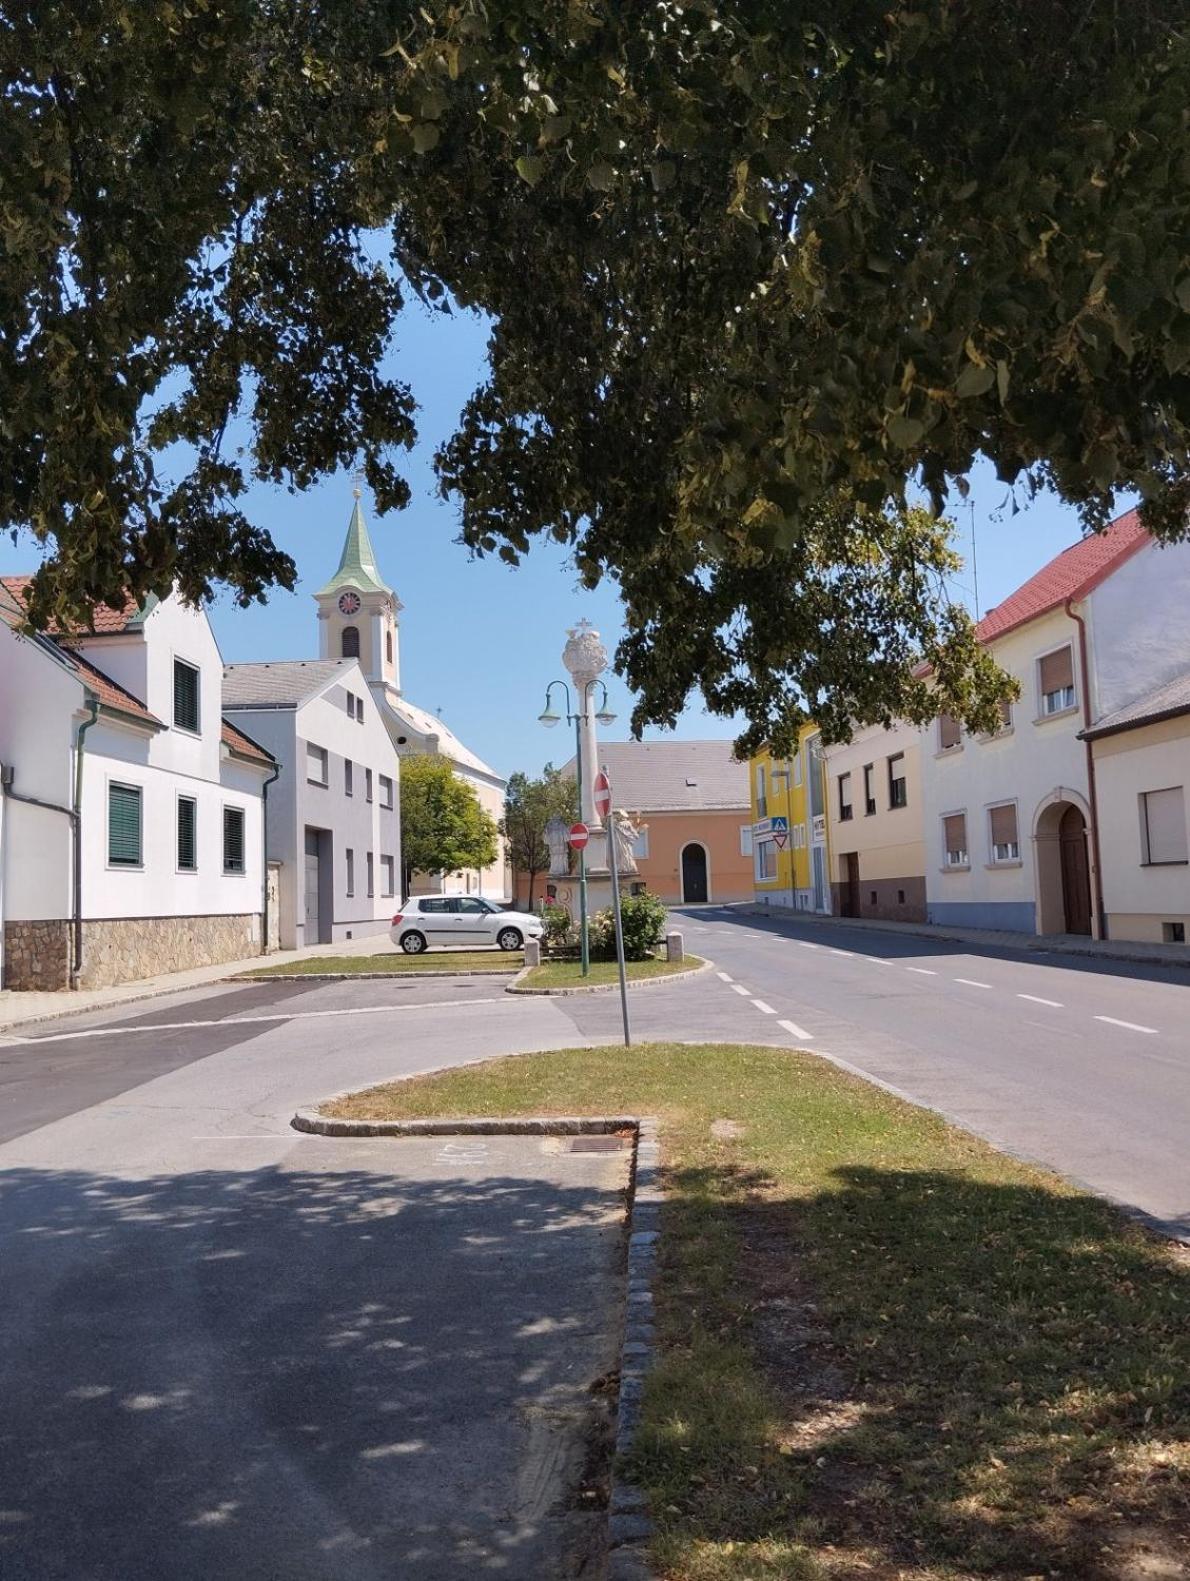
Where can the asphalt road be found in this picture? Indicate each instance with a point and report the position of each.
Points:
(1080, 1064)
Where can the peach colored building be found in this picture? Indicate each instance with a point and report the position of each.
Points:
(691, 801)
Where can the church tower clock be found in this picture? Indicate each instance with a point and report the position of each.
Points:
(358, 612)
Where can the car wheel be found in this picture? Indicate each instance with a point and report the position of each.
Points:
(509, 939)
(413, 943)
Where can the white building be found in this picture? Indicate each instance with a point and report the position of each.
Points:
(1012, 837)
(333, 819)
(146, 853)
(358, 619)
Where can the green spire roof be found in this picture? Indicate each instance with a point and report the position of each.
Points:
(357, 564)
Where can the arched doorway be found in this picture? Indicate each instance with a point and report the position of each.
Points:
(1063, 867)
(695, 878)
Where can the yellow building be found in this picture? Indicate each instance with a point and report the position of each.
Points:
(790, 861)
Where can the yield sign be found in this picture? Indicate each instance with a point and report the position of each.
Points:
(579, 835)
(779, 841)
(603, 794)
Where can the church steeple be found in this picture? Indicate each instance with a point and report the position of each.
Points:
(357, 610)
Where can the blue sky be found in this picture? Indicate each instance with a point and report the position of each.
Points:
(479, 639)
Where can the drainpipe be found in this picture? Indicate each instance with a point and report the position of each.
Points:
(74, 813)
(264, 858)
(1100, 909)
(77, 820)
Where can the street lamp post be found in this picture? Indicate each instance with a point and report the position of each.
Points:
(549, 717)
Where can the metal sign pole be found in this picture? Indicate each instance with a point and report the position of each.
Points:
(584, 934)
(611, 847)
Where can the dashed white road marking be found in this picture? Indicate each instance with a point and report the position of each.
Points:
(805, 944)
(922, 971)
(740, 989)
(840, 952)
(794, 1030)
(970, 982)
(878, 960)
(767, 1009)
(723, 977)
(1054, 1004)
(1129, 1026)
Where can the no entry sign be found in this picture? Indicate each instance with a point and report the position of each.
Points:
(603, 794)
(579, 835)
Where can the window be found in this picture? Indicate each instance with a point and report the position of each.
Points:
(954, 839)
(368, 784)
(897, 793)
(745, 839)
(233, 839)
(1005, 717)
(1002, 822)
(348, 777)
(187, 834)
(797, 768)
(844, 797)
(350, 871)
(764, 861)
(371, 873)
(950, 734)
(388, 874)
(317, 765)
(762, 800)
(1163, 826)
(124, 825)
(349, 642)
(640, 846)
(185, 696)
(869, 789)
(388, 646)
(434, 908)
(1173, 933)
(353, 705)
(1056, 680)
(386, 791)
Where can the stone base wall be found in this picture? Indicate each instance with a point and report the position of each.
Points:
(37, 955)
(885, 899)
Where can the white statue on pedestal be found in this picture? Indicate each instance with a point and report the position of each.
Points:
(556, 831)
(624, 832)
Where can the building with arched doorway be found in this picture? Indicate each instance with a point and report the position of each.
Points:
(1012, 827)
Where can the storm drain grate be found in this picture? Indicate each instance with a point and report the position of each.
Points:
(599, 1144)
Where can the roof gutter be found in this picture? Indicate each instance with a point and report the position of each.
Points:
(1092, 792)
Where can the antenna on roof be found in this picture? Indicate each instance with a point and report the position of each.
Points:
(358, 480)
(974, 558)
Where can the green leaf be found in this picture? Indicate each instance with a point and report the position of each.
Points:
(974, 380)
(1002, 380)
(601, 176)
(530, 168)
(904, 431)
(425, 137)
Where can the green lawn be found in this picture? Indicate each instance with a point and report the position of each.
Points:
(445, 961)
(888, 1351)
(569, 974)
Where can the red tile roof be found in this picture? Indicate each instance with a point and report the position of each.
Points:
(110, 693)
(244, 746)
(1072, 574)
(105, 622)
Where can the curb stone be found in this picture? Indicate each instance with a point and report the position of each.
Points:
(351, 977)
(628, 1522)
(516, 987)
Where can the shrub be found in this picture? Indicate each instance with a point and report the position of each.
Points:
(557, 924)
(643, 919)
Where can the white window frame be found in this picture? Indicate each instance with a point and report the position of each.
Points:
(947, 865)
(234, 872)
(122, 867)
(188, 664)
(1014, 859)
(762, 796)
(312, 748)
(759, 862)
(1067, 706)
(745, 839)
(387, 803)
(1147, 858)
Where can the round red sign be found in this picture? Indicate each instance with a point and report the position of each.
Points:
(603, 794)
(579, 835)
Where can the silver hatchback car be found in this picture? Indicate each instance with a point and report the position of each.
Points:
(435, 922)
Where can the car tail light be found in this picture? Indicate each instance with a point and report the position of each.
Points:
(396, 922)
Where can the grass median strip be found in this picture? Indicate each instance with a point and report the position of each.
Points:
(434, 961)
(887, 1350)
(569, 974)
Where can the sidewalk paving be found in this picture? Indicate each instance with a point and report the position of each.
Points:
(18, 1008)
(994, 938)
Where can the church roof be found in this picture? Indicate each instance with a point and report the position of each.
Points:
(423, 723)
(357, 564)
(281, 683)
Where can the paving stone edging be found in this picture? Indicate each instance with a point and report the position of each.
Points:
(515, 987)
(628, 1524)
(350, 977)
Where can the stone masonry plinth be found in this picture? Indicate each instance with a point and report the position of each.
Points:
(37, 955)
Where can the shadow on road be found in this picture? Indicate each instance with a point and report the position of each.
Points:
(288, 1373)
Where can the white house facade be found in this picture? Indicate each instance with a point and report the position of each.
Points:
(131, 839)
(1011, 823)
(333, 818)
(359, 618)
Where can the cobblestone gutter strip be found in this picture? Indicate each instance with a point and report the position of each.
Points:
(515, 987)
(628, 1525)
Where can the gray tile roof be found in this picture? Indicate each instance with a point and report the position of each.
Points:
(283, 684)
(668, 776)
(1165, 703)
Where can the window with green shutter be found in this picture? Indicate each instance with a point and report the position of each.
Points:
(185, 696)
(233, 839)
(124, 825)
(187, 834)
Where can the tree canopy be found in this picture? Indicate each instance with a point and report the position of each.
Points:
(443, 827)
(757, 270)
(529, 804)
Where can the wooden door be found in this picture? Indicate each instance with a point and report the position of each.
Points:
(851, 884)
(1076, 871)
(694, 873)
